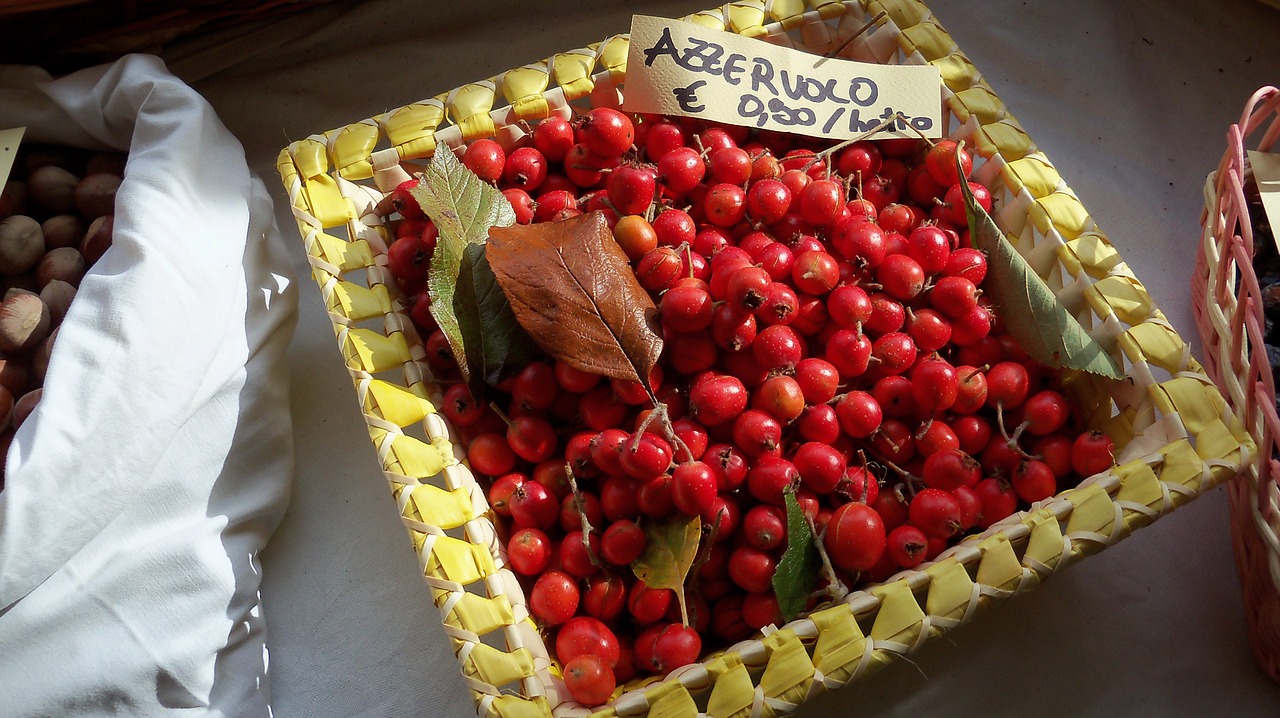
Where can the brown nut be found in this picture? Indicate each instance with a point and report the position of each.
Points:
(24, 322)
(65, 263)
(13, 198)
(26, 404)
(57, 296)
(96, 195)
(62, 230)
(14, 374)
(21, 244)
(97, 239)
(40, 357)
(52, 189)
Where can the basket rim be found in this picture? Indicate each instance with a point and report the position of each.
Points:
(1123, 511)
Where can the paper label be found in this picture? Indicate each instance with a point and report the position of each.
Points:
(679, 68)
(1266, 173)
(9, 141)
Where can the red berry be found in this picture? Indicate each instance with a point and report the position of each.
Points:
(529, 552)
(752, 569)
(607, 132)
(859, 414)
(623, 542)
(998, 500)
(693, 487)
(525, 169)
(855, 537)
(1034, 481)
(906, 546)
(584, 635)
(935, 512)
(821, 467)
(589, 680)
(554, 598)
(765, 527)
(486, 158)
(1092, 452)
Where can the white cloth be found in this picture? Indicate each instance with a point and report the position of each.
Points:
(159, 461)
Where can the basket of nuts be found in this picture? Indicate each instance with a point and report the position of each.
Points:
(1237, 273)
(686, 417)
(56, 219)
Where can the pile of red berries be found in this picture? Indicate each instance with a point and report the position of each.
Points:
(826, 337)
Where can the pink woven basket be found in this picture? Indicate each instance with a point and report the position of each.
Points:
(1228, 308)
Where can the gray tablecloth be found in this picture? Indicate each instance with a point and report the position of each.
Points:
(1130, 100)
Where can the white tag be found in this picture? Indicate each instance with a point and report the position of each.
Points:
(9, 141)
(1266, 173)
(679, 68)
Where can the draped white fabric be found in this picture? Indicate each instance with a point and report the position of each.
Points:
(159, 460)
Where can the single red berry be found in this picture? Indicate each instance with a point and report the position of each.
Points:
(554, 598)
(490, 454)
(576, 556)
(725, 205)
(1034, 481)
(533, 505)
(855, 537)
(935, 512)
(486, 158)
(859, 414)
(605, 597)
(693, 487)
(752, 569)
(525, 169)
(649, 605)
(821, 466)
(998, 501)
(757, 433)
(940, 161)
(584, 635)
(607, 132)
(589, 680)
(777, 347)
(934, 384)
(529, 552)
(680, 170)
(623, 542)
(1045, 412)
(765, 527)
(901, 276)
(906, 546)
(1092, 452)
(949, 469)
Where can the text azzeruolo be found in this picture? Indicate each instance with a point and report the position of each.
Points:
(766, 90)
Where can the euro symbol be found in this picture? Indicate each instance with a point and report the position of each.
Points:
(687, 96)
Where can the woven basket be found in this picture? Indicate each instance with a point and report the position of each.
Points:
(1227, 303)
(1177, 436)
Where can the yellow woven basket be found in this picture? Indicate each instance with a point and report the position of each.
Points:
(1178, 437)
(1228, 307)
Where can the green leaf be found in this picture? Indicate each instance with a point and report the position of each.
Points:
(797, 572)
(1033, 316)
(466, 301)
(668, 555)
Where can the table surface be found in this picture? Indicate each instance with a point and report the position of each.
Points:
(1130, 100)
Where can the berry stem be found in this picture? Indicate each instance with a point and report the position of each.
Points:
(835, 588)
(580, 506)
(825, 154)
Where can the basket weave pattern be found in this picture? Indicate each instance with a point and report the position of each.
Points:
(1227, 304)
(1178, 436)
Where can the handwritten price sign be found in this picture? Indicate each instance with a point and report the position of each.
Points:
(679, 68)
